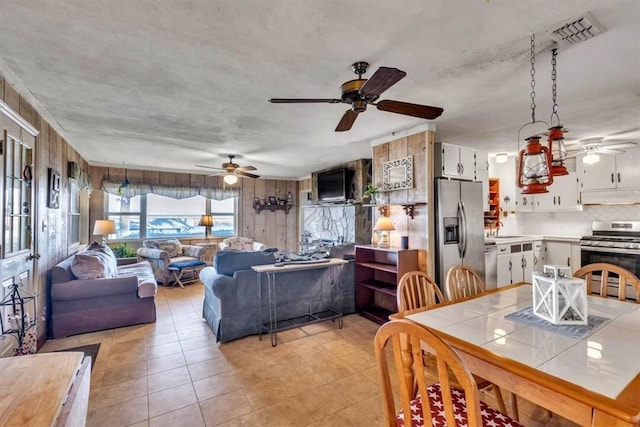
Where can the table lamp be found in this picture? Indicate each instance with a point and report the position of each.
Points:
(384, 226)
(207, 222)
(104, 227)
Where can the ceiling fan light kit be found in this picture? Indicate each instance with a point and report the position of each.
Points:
(362, 92)
(232, 171)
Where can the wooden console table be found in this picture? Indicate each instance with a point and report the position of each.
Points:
(46, 389)
(271, 271)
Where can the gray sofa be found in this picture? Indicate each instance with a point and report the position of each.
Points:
(124, 296)
(231, 293)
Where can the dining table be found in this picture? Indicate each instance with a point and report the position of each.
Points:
(592, 380)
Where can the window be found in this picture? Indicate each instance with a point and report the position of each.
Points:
(78, 215)
(164, 217)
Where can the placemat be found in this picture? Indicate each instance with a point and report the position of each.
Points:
(526, 316)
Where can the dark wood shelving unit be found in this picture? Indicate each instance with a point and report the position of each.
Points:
(492, 216)
(377, 272)
(260, 207)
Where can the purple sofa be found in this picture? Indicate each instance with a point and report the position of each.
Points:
(86, 305)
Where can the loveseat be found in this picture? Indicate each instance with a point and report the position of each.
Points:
(231, 293)
(89, 292)
(161, 254)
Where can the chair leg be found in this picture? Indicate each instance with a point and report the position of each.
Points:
(513, 401)
(499, 399)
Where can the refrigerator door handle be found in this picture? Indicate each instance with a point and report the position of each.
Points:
(462, 246)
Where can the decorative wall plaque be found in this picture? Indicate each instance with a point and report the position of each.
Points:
(397, 174)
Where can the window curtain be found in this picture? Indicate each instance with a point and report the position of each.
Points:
(174, 191)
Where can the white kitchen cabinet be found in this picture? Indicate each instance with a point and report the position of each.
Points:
(525, 202)
(483, 177)
(539, 256)
(453, 161)
(482, 161)
(507, 174)
(515, 263)
(566, 254)
(562, 195)
(619, 171)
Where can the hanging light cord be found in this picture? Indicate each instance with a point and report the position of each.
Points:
(532, 61)
(554, 109)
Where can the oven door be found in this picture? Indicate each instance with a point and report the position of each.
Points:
(626, 258)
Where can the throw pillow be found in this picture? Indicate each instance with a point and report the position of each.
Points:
(88, 266)
(107, 255)
(172, 246)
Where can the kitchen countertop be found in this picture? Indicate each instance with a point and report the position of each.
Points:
(509, 239)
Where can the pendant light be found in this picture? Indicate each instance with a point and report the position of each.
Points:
(556, 135)
(534, 160)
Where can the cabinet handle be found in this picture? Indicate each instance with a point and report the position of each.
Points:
(612, 181)
(461, 169)
(524, 263)
(618, 176)
(510, 265)
(524, 201)
(554, 200)
(535, 260)
(568, 262)
(559, 200)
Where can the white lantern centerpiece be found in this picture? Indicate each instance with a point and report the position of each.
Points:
(558, 297)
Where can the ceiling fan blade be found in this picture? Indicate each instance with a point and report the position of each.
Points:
(408, 109)
(347, 120)
(611, 151)
(381, 80)
(247, 168)
(247, 174)
(305, 100)
(208, 167)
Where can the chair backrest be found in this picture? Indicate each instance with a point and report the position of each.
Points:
(417, 290)
(462, 282)
(600, 273)
(406, 338)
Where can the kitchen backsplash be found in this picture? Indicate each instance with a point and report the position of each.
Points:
(569, 223)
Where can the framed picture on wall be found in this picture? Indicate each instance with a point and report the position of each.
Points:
(53, 196)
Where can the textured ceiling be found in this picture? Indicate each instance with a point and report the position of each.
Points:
(169, 84)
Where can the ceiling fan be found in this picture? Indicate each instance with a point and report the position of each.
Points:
(593, 147)
(232, 170)
(362, 92)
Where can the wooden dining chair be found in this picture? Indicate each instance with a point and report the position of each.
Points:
(601, 273)
(462, 282)
(435, 404)
(417, 290)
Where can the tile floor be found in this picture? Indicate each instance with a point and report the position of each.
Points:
(173, 373)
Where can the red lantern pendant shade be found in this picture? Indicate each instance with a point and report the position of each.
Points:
(534, 167)
(558, 151)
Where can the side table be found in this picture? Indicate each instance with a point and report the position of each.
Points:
(208, 252)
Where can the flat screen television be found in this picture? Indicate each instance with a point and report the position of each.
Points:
(335, 185)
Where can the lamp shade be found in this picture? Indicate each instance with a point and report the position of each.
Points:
(206, 221)
(104, 227)
(384, 224)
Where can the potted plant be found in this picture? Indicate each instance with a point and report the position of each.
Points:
(371, 191)
(121, 250)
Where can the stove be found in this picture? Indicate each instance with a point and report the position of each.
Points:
(624, 235)
(613, 242)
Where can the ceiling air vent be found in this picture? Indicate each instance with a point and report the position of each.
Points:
(577, 31)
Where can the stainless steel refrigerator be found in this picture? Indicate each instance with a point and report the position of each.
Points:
(459, 227)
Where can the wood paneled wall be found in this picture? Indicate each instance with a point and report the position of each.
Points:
(49, 225)
(420, 146)
(275, 229)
